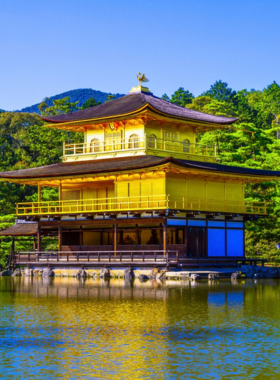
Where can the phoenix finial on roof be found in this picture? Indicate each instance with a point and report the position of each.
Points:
(142, 78)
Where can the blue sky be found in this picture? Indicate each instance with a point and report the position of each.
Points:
(48, 47)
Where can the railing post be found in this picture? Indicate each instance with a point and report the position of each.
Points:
(98, 256)
(67, 256)
(88, 256)
(109, 256)
(215, 150)
(78, 258)
(28, 256)
(63, 148)
(19, 257)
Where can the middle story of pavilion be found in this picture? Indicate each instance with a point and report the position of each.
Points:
(143, 202)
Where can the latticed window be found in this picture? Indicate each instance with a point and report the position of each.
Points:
(186, 146)
(152, 141)
(113, 141)
(94, 145)
(134, 141)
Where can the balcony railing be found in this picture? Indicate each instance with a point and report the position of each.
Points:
(137, 143)
(138, 203)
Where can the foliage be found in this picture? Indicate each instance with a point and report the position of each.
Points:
(59, 106)
(220, 91)
(110, 98)
(181, 97)
(91, 102)
(258, 112)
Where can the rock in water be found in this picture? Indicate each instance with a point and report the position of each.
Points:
(272, 273)
(28, 272)
(6, 273)
(235, 276)
(129, 274)
(161, 276)
(143, 278)
(195, 277)
(213, 277)
(154, 273)
(48, 272)
(250, 271)
(17, 272)
(38, 272)
(105, 273)
(258, 275)
(81, 273)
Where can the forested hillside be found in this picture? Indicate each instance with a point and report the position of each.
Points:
(80, 96)
(253, 142)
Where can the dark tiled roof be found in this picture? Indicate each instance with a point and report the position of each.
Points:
(126, 163)
(20, 229)
(86, 167)
(133, 102)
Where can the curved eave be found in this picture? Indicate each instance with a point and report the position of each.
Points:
(203, 169)
(147, 106)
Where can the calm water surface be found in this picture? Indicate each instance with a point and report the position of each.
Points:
(69, 328)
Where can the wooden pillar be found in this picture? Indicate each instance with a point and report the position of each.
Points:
(60, 195)
(161, 238)
(115, 238)
(39, 192)
(164, 237)
(81, 238)
(39, 239)
(34, 243)
(59, 238)
(12, 254)
(186, 241)
(137, 236)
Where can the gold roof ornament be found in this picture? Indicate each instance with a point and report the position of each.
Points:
(142, 79)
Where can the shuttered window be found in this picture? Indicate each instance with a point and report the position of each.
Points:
(71, 195)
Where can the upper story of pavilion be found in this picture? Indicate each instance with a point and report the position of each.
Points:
(138, 124)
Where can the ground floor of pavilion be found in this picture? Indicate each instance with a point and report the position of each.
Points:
(131, 240)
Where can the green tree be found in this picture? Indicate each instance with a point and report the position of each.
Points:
(59, 106)
(165, 97)
(181, 97)
(220, 91)
(91, 102)
(110, 98)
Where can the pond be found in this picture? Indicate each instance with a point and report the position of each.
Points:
(69, 328)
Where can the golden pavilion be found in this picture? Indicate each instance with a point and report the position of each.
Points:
(139, 190)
